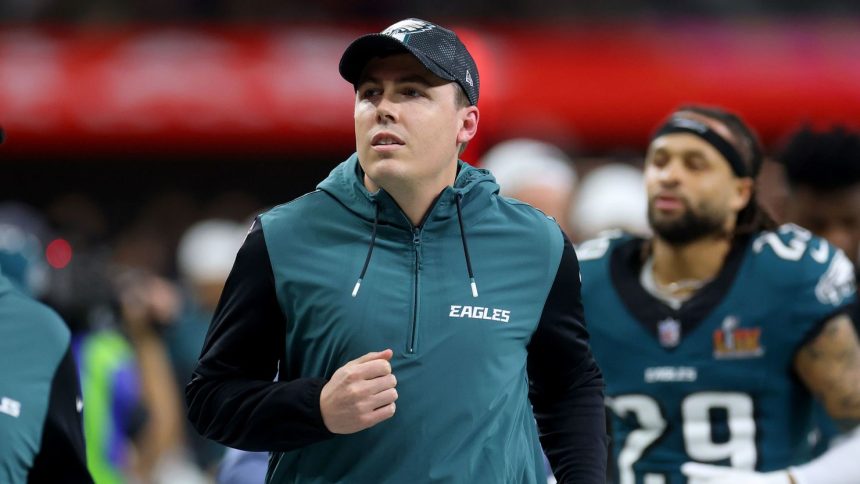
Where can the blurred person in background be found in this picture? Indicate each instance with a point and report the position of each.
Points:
(204, 258)
(822, 171)
(715, 334)
(116, 414)
(611, 197)
(401, 214)
(133, 426)
(148, 305)
(24, 234)
(124, 373)
(243, 467)
(41, 431)
(536, 173)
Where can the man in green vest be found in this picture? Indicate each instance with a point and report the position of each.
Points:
(41, 438)
(420, 327)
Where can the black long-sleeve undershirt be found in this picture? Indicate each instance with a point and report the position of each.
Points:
(233, 400)
(232, 397)
(566, 388)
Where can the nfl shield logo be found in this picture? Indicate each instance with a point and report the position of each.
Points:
(669, 331)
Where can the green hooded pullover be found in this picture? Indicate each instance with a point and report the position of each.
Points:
(480, 304)
(41, 437)
(463, 412)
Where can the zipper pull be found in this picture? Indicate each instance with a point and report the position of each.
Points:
(416, 244)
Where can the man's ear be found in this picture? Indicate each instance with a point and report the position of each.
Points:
(743, 193)
(469, 125)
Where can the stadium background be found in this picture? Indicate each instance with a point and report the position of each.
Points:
(129, 121)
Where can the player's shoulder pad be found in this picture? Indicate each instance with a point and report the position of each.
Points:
(601, 246)
(793, 256)
(44, 327)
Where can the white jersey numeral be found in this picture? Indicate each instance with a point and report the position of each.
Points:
(793, 250)
(739, 448)
(651, 427)
(699, 443)
(597, 247)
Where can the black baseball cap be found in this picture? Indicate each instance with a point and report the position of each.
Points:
(439, 49)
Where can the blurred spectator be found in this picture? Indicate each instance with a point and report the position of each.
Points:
(143, 247)
(611, 196)
(823, 174)
(23, 236)
(204, 258)
(115, 415)
(133, 426)
(243, 467)
(79, 215)
(151, 238)
(41, 436)
(534, 172)
(110, 379)
(822, 169)
(148, 305)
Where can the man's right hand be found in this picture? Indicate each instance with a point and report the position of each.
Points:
(360, 394)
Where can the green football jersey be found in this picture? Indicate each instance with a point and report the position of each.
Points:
(41, 439)
(712, 381)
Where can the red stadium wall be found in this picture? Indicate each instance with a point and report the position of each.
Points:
(216, 90)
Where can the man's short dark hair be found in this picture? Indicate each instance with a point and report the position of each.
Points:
(461, 99)
(822, 160)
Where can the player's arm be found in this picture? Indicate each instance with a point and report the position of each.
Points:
(829, 365)
(566, 383)
(62, 456)
(232, 397)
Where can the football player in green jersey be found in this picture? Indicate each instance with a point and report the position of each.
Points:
(715, 334)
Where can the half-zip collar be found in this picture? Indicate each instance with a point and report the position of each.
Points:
(472, 191)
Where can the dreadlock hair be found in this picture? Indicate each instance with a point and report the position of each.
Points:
(753, 218)
(822, 160)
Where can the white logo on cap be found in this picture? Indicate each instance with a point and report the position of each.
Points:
(469, 78)
(404, 27)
